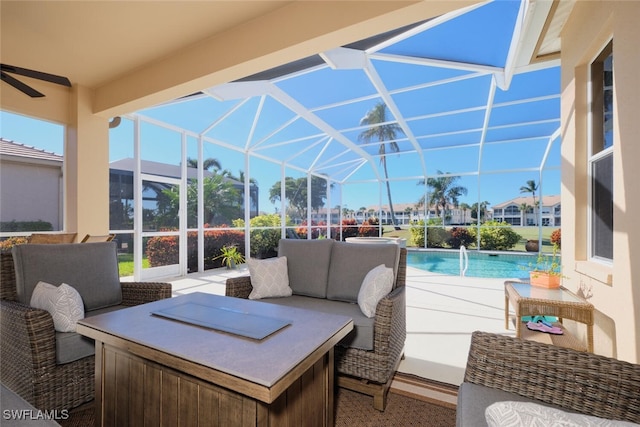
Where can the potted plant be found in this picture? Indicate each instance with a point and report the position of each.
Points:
(546, 272)
(230, 256)
(532, 245)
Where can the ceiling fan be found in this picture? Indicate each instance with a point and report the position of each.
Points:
(52, 78)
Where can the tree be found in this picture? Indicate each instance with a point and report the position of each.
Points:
(444, 192)
(296, 193)
(240, 177)
(465, 207)
(523, 209)
(222, 200)
(209, 163)
(478, 212)
(386, 134)
(531, 187)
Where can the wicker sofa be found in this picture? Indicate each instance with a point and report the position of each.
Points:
(55, 370)
(326, 275)
(505, 369)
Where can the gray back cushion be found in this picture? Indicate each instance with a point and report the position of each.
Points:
(91, 268)
(350, 263)
(307, 265)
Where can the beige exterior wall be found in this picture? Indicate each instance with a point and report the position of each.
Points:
(613, 289)
(34, 192)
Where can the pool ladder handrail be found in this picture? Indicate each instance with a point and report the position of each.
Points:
(464, 261)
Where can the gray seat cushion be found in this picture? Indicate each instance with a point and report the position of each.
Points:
(350, 263)
(473, 399)
(362, 334)
(307, 265)
(91, 268)
(71, 346)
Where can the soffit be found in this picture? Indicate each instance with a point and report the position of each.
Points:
(95, 42)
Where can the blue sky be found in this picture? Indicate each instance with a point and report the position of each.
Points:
(495, 187)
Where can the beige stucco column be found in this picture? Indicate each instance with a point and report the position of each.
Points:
(613, 288)
(86, 167)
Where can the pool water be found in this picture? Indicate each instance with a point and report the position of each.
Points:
(505, 266)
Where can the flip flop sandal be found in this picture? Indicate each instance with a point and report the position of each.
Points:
(541, 327)
(544, 321)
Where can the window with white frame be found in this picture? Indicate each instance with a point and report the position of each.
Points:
(601, 155)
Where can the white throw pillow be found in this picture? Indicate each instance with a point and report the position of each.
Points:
(269, 278)
(376, 284)
(528, 414)
(63, 302)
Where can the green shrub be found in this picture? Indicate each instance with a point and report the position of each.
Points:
(19, 226)
(496, 236)
(264, 243)
(417, 233)
(437, 235)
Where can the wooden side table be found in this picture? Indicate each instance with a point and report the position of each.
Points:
(529, 300)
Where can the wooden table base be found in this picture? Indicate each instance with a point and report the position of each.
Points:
(139, 392)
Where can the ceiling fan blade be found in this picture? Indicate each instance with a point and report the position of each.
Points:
(20, 86)
(52, 78)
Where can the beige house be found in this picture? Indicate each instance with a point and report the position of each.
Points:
(162, 51)
(31, 185)
(520, 211)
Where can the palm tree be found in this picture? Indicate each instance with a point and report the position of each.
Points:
(385, 134)
(531, 187)
(240, 177)
(465, 207)
(479, 210)
(444, 192)
(206, 163)
(523, 209)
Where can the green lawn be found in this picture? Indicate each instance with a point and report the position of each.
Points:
(125, 264)
(526, 233)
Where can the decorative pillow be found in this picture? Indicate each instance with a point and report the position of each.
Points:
(376, 284)
(63, 302)
(269, 278)
(528, 414)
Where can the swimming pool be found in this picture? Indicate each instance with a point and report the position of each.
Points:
(481, 264)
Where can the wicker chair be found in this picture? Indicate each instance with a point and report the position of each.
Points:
(560, 377)
(368, 372)
(28, 346)
(53, 238)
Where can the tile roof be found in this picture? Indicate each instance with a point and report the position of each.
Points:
(15, 149)
(546, 201)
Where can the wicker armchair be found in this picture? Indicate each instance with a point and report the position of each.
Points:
(28, 346)
(368, 372)
(564, 378)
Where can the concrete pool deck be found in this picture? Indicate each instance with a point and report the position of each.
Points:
(442, 312)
